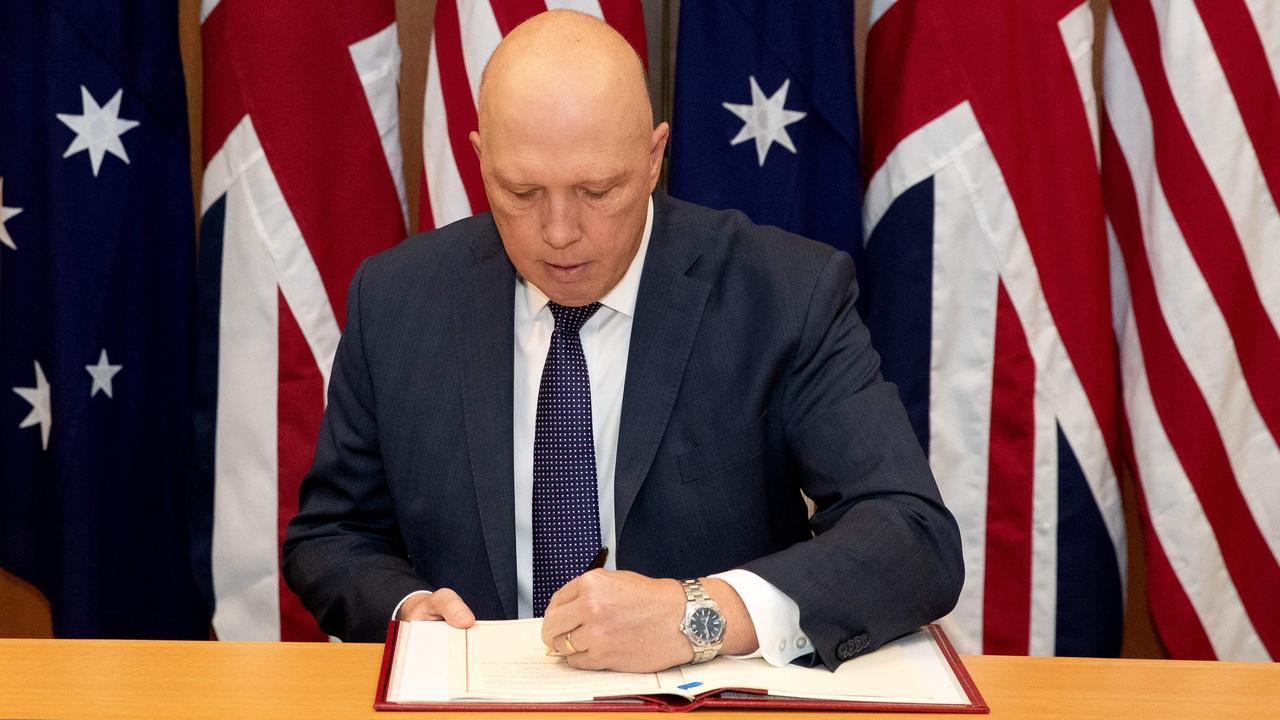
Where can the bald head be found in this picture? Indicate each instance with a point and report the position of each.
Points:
(568, 153)
(564, 60)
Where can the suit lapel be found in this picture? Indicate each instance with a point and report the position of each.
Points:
(485, 328)
(669, 307)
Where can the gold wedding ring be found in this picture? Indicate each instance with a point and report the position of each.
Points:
(568, 643)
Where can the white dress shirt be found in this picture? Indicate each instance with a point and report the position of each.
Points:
(606, 339)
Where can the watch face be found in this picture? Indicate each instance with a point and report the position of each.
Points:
(706, 625)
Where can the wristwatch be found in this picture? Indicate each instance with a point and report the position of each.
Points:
(702, 624)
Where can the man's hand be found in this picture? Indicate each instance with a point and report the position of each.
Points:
(619, 620)
(443, 604)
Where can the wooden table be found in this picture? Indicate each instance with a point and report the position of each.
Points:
(161, 680)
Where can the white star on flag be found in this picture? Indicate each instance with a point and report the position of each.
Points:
(38, 398)
(102, 374)
(98, 129)
(765, 120)
(5, 214)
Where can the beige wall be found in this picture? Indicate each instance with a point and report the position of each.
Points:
(24, 612)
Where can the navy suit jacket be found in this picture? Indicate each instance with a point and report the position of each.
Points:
(749, 378)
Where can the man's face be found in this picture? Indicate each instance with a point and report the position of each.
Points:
(569, 191)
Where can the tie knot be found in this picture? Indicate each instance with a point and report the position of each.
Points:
(571, 319)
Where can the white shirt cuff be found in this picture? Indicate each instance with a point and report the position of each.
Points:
(395, 614)
(775, 615)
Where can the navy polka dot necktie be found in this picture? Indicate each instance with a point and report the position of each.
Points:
(566, 513)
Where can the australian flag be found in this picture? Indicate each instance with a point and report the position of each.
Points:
(765, 117)
(96, 291)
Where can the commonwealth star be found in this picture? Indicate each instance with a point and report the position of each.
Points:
(765, 119)
(41, 413)
(98, 129)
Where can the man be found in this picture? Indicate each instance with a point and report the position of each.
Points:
(595, 365)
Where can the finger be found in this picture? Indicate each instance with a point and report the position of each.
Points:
(582, 639)
(560, 620)
(417, 607)
(574, 644)
(449, 606)
(585, 660)
(417, 612)
(560, 646)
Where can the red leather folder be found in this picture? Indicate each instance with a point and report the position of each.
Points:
(714, 699)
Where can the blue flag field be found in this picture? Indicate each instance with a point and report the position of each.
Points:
(765, 117)
(96, 290)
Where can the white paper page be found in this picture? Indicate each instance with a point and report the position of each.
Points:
(420, 666)
(938, 676)
(507, 660)
(910, 669)
(396, 671)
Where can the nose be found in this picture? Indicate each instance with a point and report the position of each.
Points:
(560, 227)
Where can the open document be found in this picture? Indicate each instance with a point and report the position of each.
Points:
(504, 665)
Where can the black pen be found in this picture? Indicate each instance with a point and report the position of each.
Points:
(597, 562)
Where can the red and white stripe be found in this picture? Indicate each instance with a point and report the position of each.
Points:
(301, 139)
(1191, 173)
(465, 34)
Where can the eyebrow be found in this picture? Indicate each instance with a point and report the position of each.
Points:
(603, 182)
(609, 181)
(511, 182)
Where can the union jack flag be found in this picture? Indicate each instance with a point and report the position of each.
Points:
(463, 37)
(987, 293)
(1191, 171)
(302, 180)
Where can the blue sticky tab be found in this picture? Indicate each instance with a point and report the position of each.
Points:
(688, 685)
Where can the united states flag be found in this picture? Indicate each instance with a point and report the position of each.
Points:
(463, 37)
(1191, 170)
(987, 294)
(302, 181)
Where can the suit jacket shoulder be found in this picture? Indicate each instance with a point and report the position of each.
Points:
(430, 259)
(753, 272)
(758, 251)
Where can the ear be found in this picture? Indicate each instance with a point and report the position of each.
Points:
(657, 147)
(474, 137)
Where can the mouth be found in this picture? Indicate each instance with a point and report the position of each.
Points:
(565, 273)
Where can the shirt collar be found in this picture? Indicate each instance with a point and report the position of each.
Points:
(621, 299)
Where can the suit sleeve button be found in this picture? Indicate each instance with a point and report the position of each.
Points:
(845, 650)
(860, 643)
